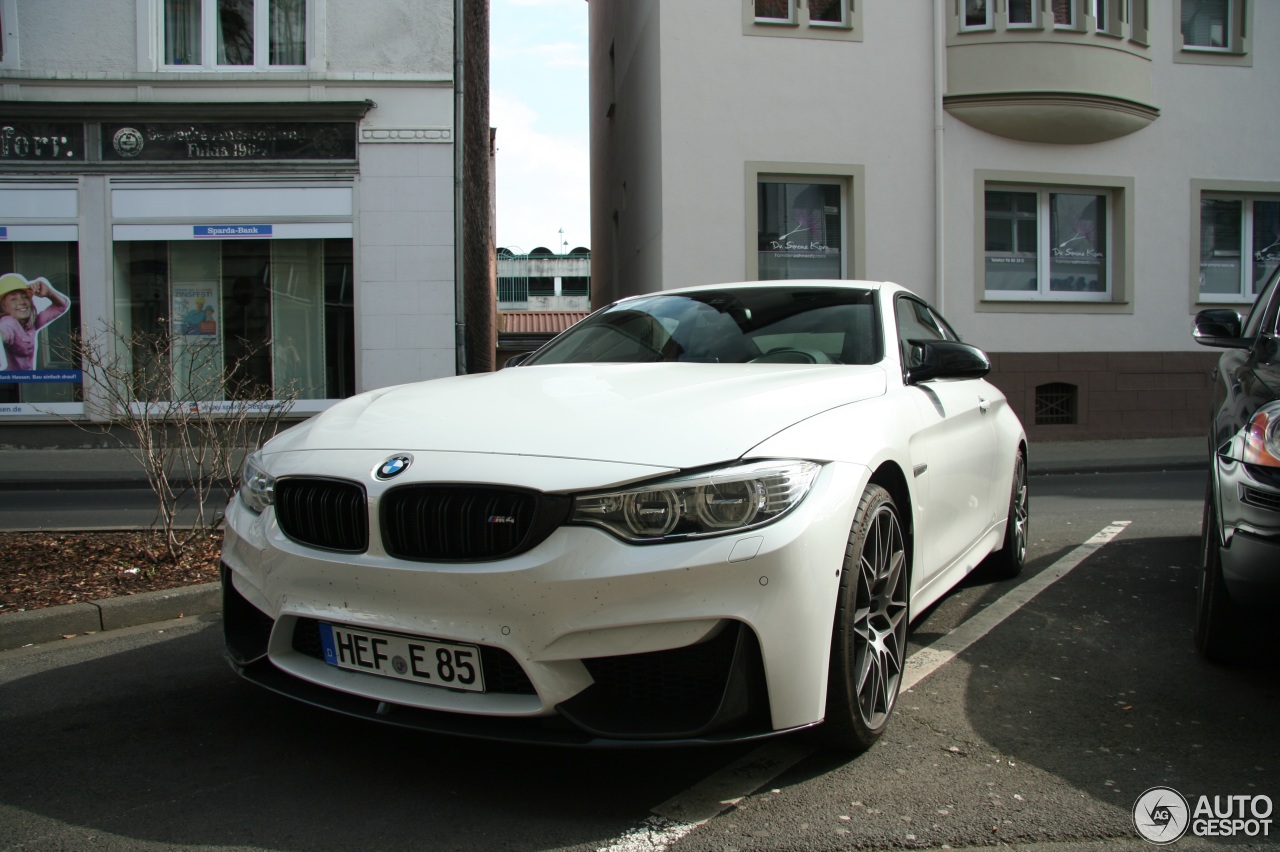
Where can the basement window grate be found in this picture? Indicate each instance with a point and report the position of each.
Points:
(1056, 404)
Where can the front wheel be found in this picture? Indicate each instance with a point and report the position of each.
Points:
(1007, 562)
(869, 641)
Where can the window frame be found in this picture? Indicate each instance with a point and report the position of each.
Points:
(801, 26)
(1236, 52)
(1043, 256)
(1248, 194)
(10, 55)
(988, 23)
(850, 178)
(1120, 243)
(1036, 22)
(261, 40)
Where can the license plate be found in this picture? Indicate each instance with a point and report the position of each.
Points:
(412, 658)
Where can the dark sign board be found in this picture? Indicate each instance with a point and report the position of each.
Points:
(228, 141)
(27, 141)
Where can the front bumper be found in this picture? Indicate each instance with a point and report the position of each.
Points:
(1249, 506)
(584, 639)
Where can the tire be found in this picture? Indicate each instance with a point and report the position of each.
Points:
(1007, 562)
(1218, 620)
(869, 640)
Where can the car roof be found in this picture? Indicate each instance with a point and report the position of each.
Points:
(805, 283)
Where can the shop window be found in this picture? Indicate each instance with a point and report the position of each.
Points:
(222, 34)
(1056, 404)
(799, 229)
(39, 313)
(238, 319)
(1239, 245)
(1047, 243)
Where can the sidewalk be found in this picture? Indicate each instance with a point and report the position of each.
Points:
(112, 468)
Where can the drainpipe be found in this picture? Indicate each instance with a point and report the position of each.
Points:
(939, 195)
(459, 231)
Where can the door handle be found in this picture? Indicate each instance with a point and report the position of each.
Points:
(983, 404)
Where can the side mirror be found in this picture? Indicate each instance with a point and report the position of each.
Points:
(1220, 327)
(517, 359)
(945, 359)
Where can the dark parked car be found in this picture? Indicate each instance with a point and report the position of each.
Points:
(1240, 540)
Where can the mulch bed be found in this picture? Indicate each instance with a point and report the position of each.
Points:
(42, 569)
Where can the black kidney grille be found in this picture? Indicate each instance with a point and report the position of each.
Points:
(453, 523)
(330, 514)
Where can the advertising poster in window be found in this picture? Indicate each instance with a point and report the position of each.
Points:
(194, 311)
(27, 306)
(197, 350)
(799, 230)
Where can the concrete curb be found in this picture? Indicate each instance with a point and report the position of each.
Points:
(37, 626)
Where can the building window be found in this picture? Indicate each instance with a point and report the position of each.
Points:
(1239, 245)
(238, 319)
(799, 229)
(221, 34)
(775, 11)
(1047, 243)
(1207, 24)
(9, 34)
(1064, 15)
(1024, 14)
(976, 16)
(830, 19)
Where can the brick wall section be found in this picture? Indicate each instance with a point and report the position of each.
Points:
(1120, 394)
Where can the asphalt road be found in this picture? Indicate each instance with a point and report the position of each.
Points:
(1044, 730)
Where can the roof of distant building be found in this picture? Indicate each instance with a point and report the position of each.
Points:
(537, 322)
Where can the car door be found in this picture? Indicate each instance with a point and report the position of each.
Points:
(953, 453)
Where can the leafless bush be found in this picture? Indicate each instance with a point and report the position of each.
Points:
(185, 410)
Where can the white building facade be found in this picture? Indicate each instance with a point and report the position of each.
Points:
(1068, 181)
(274, 177)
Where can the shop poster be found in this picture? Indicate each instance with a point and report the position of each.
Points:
(27, 305)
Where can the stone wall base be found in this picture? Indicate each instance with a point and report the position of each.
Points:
(1078, 396)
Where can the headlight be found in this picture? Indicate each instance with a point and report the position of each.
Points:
(1262, 437)
(722, 501)
(257, 487)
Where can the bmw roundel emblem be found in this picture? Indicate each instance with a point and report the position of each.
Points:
(394, 466)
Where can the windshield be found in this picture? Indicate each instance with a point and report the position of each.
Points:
(732, 326)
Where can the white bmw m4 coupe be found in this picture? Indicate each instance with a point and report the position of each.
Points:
(698, 515)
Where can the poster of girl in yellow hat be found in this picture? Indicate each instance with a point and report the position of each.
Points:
(22, 317)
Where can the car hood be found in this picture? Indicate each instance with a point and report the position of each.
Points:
(669, 415)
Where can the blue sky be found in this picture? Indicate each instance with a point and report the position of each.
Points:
(538, 103)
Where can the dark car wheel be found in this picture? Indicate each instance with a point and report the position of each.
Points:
(870, 637)
(1218, 621)
(1007, 562)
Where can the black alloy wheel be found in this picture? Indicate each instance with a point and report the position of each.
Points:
(869, 640)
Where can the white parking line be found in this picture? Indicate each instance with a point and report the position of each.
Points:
(926, 661)
(678, 816)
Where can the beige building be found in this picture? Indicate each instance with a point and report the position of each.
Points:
(1068, 181)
